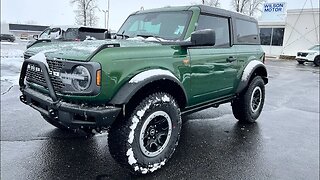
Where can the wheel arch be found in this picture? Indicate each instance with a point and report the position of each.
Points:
(254, 68)
(147, 82)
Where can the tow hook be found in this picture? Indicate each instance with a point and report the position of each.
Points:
(53, 114)
(23, 99)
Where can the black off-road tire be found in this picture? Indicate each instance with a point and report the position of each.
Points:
(125, 136)
(300, 62)
(316, 61)
(248, 106)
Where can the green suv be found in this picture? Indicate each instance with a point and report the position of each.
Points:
(163, 64)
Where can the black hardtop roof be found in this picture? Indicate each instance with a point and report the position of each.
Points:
(203, 9)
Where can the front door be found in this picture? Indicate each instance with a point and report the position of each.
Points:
(213, 68)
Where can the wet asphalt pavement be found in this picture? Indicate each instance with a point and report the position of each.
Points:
(283, 144)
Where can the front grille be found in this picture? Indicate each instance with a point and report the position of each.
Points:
(54, 65)
(302, 54)
(35, 75)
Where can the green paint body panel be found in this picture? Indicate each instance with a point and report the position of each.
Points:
(205, 77)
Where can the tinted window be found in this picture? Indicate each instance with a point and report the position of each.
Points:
(277, 36)
(247, 32)
(219, 24)
(265, 36)
(166, 25)
(71, 34)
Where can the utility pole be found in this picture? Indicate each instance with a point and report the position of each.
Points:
(105, 17)
(108, 14)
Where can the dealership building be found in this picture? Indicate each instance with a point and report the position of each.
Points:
(284, 32)
(21, 31)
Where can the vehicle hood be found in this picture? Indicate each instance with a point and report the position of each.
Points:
(80, 51)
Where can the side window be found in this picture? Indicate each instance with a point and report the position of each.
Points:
(271, 36)
(277, 36)
(219, 24)
(247, 32)
(265, 36)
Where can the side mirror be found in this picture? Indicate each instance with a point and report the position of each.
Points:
(36, 36)
(206, 37)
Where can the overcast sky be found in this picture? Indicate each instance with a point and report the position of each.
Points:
(61, 12)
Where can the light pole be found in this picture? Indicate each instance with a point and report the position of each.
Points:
(105, 17)
(108, 14)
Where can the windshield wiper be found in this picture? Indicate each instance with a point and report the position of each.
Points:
(122, 35)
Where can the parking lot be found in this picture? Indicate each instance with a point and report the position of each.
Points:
(283, 144)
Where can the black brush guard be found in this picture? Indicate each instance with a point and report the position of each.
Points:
(70, 115)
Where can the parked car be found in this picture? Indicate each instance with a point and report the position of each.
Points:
(166, 63)
(70, 33)
(24, 36)
(7, 37)
(310, 55)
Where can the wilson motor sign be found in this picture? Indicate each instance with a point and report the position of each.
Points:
(274, 7)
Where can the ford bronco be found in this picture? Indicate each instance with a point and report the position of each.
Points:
(165, 63)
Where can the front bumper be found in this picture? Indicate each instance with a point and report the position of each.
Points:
(308, 58)
(70, 115)
(304, 59)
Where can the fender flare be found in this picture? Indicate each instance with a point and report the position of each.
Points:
(129, 89)
(248, 71)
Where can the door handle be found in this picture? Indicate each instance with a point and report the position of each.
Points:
(231, 59)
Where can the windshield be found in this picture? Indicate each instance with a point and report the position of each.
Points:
(54, 33)
(165, 25)
(315, 48)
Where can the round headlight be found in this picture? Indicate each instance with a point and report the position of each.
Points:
(81, 78)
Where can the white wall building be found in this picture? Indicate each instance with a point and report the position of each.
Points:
(22, 31)
(301, 31)
(297, 29)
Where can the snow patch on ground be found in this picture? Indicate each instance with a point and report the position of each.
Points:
(11, 53)
(8, 43)
(149, 73)
(11, 62)
(247, 71)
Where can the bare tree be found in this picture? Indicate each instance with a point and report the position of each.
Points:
(85, 12)
(240, 5)
(249, 7)
(255, 6)
(213, 3)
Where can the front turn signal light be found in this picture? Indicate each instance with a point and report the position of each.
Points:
(98, 77)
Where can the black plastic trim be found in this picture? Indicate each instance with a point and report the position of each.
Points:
(128, 90)
(104, 116)
(214, 103)
(46, 76)
(243, 84)
(100, 48)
